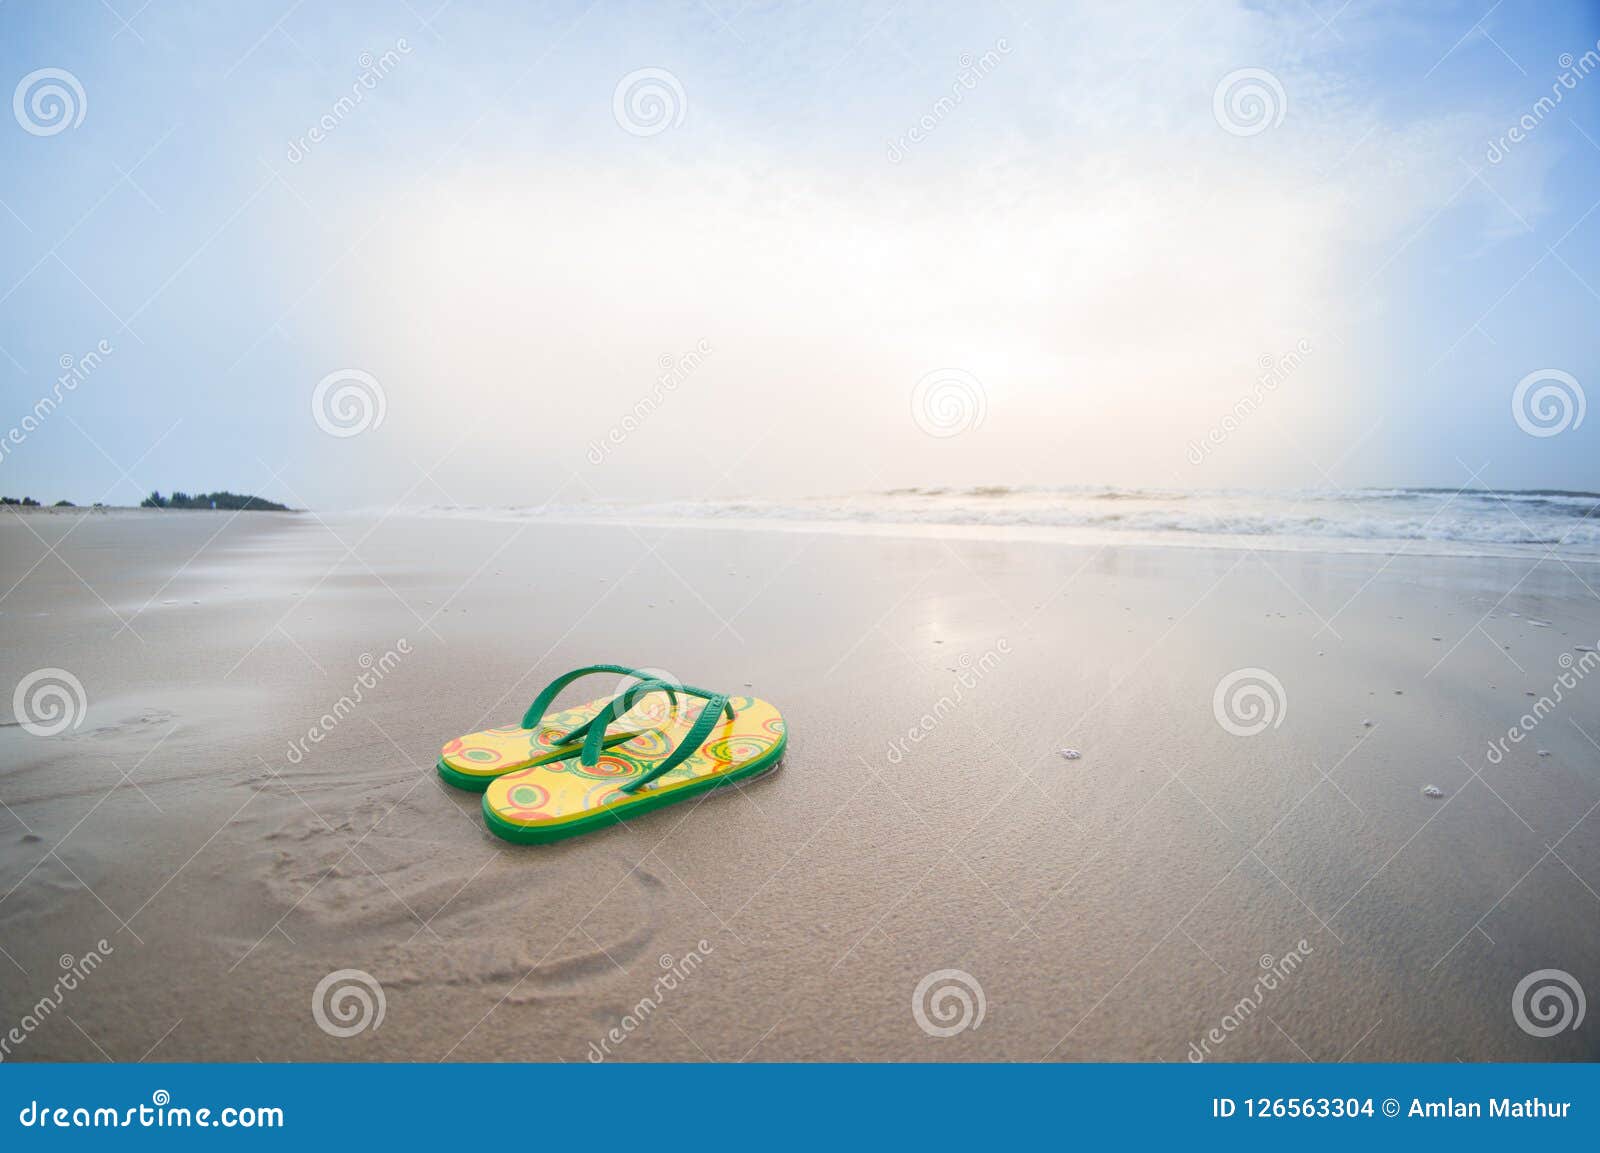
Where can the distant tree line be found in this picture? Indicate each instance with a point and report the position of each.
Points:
(228, 501)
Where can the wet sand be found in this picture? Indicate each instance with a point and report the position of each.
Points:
(1124, 905)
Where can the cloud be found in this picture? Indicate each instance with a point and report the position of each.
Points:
(1114, 281)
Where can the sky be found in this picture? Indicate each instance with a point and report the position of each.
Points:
(448, 253)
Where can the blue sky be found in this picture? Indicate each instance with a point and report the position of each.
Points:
(559, 297)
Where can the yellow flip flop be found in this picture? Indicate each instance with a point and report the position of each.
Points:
(719, 740)
(472, 761)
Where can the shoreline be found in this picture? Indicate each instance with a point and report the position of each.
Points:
(1283, 544)
(1022, 534)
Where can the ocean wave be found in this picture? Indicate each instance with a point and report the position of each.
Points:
(1471, 521)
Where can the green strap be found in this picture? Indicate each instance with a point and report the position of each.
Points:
(594, 734)
(628, 699)
(536, 711)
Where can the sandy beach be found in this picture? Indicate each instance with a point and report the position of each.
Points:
(1119, 905)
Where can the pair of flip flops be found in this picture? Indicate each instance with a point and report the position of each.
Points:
(654, 743)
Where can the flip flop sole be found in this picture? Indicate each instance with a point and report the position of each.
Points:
(551, 802)
(603, 818)
(478, 782)
(472, 761)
